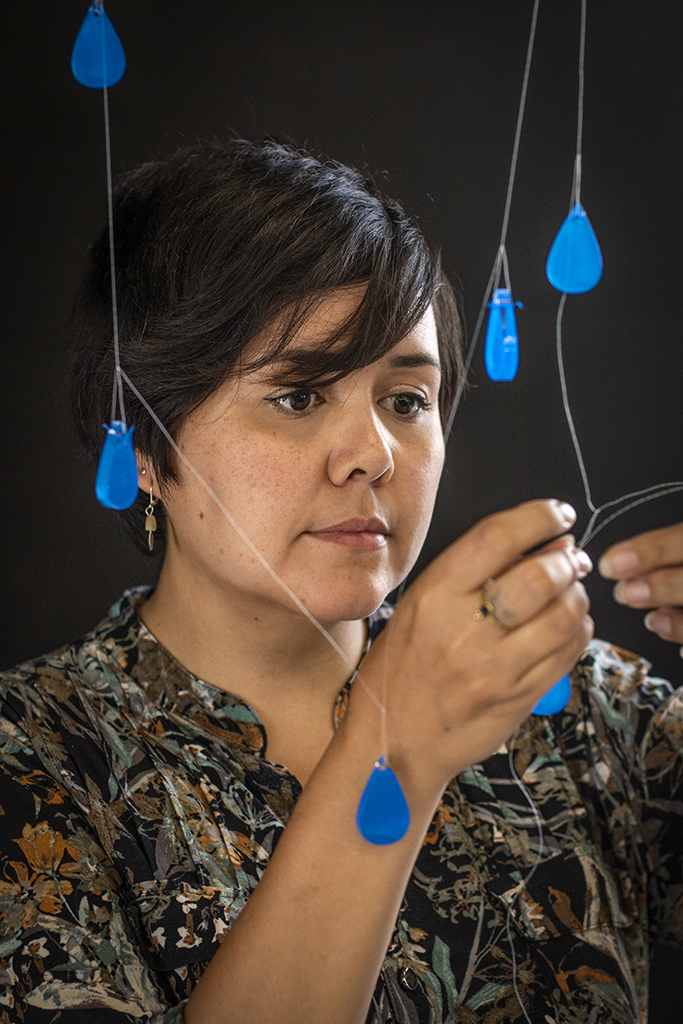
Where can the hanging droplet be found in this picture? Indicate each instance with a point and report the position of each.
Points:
(574, 262)
(501, 350)
(97, 59)
(383, 816)
(116, 483)
(556, 699)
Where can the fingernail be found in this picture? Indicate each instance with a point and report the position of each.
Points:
(584, 563)
(567, 512)
(659, 622)
(618, 563)
(632, 592)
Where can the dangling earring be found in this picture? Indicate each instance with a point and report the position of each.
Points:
(151, 520)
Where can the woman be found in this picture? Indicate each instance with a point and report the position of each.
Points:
(294, 332)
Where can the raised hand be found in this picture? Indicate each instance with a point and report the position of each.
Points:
(479, 637)
(649, 571)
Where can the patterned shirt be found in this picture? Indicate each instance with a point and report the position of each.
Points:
(139, 812)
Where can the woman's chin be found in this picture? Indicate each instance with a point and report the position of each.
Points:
(340, 608)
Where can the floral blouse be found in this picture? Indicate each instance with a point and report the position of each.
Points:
(139, 811)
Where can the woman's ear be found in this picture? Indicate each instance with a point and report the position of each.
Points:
(146, 478)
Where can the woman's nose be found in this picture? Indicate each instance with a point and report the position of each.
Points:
(361, 448)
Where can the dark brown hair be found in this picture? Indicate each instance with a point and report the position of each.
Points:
(219, 242)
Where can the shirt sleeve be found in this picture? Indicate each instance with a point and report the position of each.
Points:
(66, 952)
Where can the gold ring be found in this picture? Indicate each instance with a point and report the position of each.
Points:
(487, 611)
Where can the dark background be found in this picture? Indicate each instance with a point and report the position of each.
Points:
(425, 95)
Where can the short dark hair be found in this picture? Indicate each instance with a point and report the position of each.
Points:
(218, 242)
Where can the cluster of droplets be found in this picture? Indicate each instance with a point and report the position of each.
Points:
(574, 266)
(98, 62)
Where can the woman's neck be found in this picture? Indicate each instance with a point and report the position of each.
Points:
(269, 655)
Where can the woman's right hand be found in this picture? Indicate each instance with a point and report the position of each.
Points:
(457, 685)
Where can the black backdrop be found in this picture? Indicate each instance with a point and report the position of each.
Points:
(425, 95)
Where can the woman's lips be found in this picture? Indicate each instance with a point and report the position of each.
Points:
(366, 534)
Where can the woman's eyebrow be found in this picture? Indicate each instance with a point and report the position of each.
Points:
(292, 357)
(415, 359)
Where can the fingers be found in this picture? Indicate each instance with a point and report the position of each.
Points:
(542, 676)
(649, 569)
(639, 555)
(562, 626)
(666, 623)
(499, 541)
(522, 592)
(664, 586)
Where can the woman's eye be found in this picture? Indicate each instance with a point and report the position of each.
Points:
(300, 400)
(407, 403)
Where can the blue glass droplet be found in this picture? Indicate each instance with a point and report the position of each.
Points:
(383, 816)
(556, 699)
(501, 349)
(116, 483)
(574, 262)
(97, 58)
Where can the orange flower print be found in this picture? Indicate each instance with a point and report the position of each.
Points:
(43, 849)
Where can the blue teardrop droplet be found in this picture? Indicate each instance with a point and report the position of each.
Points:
(116, 483)
(383, 816)
(556, 699)
(97, 59)
(574, 262)
(501, 348)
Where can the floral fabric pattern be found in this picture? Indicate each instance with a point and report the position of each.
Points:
(139, 812)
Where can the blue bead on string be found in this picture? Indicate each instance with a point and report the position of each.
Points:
(556, 699)
(97, 58)
(116, 483)
(501, 350)
(574, 262)
(383, 816)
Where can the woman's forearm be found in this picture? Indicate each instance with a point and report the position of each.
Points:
(309, 945)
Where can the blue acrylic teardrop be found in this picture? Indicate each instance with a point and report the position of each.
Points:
(574, 262)
(116, 483)
(97, 59)
(383, 816)
(501, 349)
(556, 699)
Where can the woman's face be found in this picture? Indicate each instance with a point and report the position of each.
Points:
(334, 486)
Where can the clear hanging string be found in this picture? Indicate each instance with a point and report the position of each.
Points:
(117, 386)
(500, 264)
(633, 498)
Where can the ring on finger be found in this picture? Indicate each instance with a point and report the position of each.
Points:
(486, 610)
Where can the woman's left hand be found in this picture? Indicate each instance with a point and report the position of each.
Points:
(649, 570)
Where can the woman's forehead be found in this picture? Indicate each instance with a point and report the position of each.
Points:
(322, 333)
